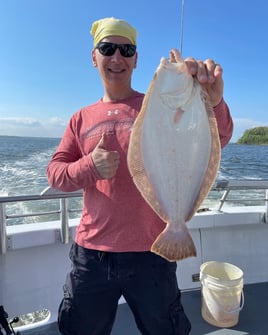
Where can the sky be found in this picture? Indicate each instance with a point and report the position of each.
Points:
(46, 72)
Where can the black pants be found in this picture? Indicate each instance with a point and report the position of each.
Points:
(98, 279)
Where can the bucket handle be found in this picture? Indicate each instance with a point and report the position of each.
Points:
(241, 304)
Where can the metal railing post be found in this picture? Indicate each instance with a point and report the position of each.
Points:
(223, 198)
(64, 232)
(3, 232)
(266, 207)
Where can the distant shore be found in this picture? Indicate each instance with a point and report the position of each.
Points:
(256, 136)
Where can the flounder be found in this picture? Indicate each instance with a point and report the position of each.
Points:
(174, 154)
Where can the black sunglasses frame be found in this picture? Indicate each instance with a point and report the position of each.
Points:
(108, 49)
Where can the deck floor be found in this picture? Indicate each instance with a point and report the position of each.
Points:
(253, 319)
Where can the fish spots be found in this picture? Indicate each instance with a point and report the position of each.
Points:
(177, 115)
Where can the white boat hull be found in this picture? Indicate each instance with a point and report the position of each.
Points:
(34, 267)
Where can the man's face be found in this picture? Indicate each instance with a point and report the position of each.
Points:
(114, 69)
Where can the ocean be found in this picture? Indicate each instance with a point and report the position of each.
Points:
(24, 160)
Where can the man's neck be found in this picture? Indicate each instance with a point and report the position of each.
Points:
(117, 95)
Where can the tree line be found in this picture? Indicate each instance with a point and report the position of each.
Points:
(257, 135)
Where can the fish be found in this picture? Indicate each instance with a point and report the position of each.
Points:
(174, 153)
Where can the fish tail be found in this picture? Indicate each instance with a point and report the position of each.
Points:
(174, 245)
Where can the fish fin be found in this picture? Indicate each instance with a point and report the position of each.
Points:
(174, 246)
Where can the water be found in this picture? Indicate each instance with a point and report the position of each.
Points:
(244, 162)
(24, 160)
(23, 164)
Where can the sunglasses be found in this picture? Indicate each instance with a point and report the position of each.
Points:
(108, 49)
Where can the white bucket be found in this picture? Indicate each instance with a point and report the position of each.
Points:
(222, 293)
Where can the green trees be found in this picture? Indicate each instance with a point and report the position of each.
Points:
(257, 135)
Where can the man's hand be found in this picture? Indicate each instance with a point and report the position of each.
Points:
(208, 73)
(106, 162)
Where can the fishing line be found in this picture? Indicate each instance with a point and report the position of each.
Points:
(182, 19)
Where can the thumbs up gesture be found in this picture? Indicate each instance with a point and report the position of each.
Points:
(106, 162)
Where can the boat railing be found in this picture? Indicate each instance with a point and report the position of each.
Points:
(47, 194)
(240, 185)
(226, 186)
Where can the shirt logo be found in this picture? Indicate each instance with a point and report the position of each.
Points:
(115, 112)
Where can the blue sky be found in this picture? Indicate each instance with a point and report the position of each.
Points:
(45, 67)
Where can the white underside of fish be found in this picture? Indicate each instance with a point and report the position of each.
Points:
(174, 154)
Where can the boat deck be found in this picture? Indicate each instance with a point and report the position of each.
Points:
(253, 319)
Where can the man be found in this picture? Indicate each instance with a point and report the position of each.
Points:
(111, 253)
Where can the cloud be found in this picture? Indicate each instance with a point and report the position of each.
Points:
(55, 126)
(24, 126)
(54, 122)
(19, 122)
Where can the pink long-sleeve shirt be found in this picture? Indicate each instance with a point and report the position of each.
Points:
(115, 217)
